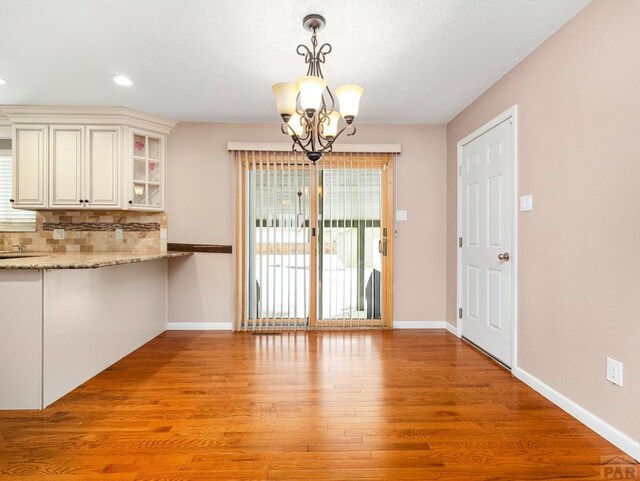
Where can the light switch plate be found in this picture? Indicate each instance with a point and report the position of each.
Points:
(119, 234)
(401, 215)
(526, 203)
(58, 234)
(163, 234)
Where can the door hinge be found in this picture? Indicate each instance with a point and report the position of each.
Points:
(459, 171)
(313, 232)
(459, 241)
(460, 313)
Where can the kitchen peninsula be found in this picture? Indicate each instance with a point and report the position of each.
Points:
(64, 317)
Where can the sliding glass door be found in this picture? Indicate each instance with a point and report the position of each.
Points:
(312, 241)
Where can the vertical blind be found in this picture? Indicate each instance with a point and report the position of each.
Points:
(272, 239)
(349, 220)
(11, 219)
(307, 240)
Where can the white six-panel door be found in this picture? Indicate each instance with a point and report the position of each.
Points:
(487, 211)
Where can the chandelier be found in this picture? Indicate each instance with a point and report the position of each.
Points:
(307, 106)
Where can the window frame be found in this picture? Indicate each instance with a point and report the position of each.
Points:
(6, 226)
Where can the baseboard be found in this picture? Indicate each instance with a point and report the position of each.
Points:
(418, 324)
(604, 429)
(199, 326)
(452, 329)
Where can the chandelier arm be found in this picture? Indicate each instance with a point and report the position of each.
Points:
(323, 141)
(306, 140)
(333, 102)
(323, 52)
(296, 140)
(342, 130)
(304, 51)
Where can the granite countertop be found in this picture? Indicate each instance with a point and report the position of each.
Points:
(80, 260)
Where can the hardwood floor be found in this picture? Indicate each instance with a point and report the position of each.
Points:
(376, 405)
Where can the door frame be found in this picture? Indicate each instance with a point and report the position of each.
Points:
(510, 113)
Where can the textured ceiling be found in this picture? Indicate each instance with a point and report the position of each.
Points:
(420, 61)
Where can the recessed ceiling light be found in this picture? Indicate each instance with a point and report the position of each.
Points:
(122, 80)
(3, 81)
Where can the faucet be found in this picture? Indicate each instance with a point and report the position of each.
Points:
(20, 247)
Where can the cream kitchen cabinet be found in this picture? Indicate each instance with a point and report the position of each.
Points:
(103, 158)
(145, 170)
(66, 143)
(102, 179)
(29, 166)
(84, 166)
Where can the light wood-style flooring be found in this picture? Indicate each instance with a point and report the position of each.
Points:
(368, 405)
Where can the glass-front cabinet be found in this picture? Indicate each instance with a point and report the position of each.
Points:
(145, 191)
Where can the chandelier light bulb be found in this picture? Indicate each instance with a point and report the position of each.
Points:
(286, 94)
(349, 99)
(311, 88)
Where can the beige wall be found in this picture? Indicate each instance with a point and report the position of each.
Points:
(200, 207)
(579, 279)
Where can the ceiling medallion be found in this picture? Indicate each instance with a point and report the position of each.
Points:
(307, 107)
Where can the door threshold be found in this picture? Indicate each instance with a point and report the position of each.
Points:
(478, 348)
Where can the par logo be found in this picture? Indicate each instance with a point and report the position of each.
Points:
(618, 467)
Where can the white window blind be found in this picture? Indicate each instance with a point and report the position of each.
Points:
(11, 219)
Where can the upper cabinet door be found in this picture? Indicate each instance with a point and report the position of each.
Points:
(102, 167)
(65, 166)
(30, 166)
(146, 165)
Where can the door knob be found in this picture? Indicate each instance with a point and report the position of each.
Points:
(504, 257)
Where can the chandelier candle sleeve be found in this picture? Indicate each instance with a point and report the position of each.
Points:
(349, 99)
(311, 89)
(330, 124)
(308, 108)
(295, 124)
(286, 95)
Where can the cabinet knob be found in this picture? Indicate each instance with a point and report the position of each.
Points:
(130, 202)
(11, 200)
(86, 201)
(81, 201)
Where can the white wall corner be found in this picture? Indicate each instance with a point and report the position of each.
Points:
(419, 324)
(200, 326)
(601, 427)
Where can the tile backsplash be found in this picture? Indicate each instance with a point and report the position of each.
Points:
(91, 231)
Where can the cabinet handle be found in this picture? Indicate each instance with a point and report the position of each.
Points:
(12, 200)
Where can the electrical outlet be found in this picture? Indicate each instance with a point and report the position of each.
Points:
(614, 371)
(163, 234)
(58, 234)
(119, 234)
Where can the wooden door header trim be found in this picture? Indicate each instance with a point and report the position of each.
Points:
(286, 147)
